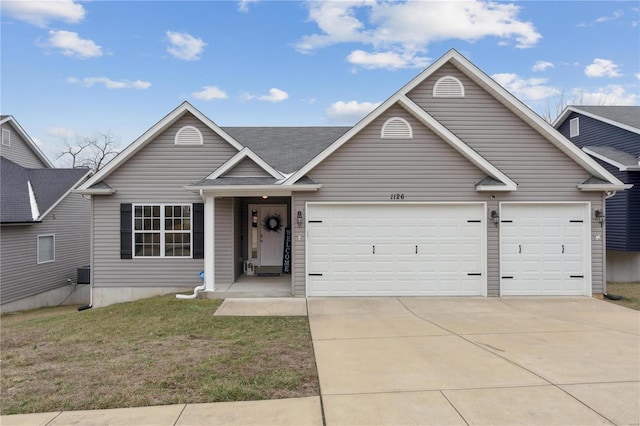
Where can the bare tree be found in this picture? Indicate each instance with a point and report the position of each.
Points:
(556, 104)
(93, 152)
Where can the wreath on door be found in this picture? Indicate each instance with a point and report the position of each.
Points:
(272, 222)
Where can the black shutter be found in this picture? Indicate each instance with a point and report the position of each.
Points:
(198, 230)
(125, 231)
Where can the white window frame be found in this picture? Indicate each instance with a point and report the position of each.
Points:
(200, 141)
(574, 129)
(162, 230)
(6, 137)
(53, 259)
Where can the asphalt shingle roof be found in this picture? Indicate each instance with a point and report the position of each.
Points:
(614, 154)
(48, 186)
(286, 149)
(629, 115)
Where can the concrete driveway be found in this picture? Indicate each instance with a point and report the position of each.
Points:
(476, 361)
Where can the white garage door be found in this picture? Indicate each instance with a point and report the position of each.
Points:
(544, 249)
(403, 249)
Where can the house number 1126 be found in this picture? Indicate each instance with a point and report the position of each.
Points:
(397, 196)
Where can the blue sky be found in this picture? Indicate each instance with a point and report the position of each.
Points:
(71, 68)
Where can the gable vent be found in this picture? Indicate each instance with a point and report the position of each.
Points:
(396, 128)
(574, 127)
(188, 135)
(6, 137)
(448, 87)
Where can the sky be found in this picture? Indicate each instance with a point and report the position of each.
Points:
(71, 69)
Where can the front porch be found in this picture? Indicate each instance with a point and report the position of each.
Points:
(252, 286)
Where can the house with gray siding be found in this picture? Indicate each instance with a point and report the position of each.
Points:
(44, 226)
(451, 187)
(611, 136)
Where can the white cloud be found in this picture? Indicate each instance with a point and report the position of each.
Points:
(638, 76)
(542, 66)
(349, 112)
(72, 45)
(61, 132)
(602, 68)
(617, 14)
(185, 46)
(110, 84)
(40, 13)
(613, 94)
(243, 5)
(275, 95)
(209, 93)
(532, 89)
(389, 60)
(398, 32)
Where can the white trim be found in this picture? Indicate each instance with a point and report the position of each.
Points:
(95, 191)
(209, 243)
(620, 166)
(162, 231)
(588, 279)
(484, 223)
(150, 134)
(408, 129)
(597, 187)
(33, 203)
(30, 142)
(252, 190)
(518, 107)
(245, 153)
(176, 140)
(568, 110)
(439, 82)
(39, 262)
(428, 121)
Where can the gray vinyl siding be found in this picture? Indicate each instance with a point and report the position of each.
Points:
(21, 275)
(247, 168)
(158, 174)
(367, 168)
(19, 151)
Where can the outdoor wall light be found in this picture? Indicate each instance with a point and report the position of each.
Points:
(264, 197)
(299, 218)
(599, 215)
(495, 217)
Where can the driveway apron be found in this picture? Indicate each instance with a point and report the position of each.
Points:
(476, 360)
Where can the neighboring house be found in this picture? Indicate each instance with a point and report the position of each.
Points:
(452, 186)
(611, 135)
(44, 227)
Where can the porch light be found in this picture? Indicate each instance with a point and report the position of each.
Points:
(299, 218)
(495, 217)
(264, 197)
(599, 215)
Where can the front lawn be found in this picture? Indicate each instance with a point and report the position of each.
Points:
(630, 293)
(151, 352)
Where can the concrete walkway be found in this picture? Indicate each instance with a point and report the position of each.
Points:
(401, 361)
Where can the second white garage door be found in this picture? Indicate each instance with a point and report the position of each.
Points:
(396, 249)
(544, 249)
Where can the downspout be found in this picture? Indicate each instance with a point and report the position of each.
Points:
(200, 287)
(606, 295)
(91, 263)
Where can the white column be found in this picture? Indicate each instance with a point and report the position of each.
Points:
(209, 243)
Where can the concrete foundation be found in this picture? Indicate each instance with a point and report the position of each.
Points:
(623, 267)
(72, 294)
(109, 296)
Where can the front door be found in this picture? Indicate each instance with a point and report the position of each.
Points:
(267, 223)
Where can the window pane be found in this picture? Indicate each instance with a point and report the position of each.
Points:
(156, 211)
(138, 211)
(186, 224)
(156, 224)
(168, 225)
(186, 211)
(167, 211)
(177, 211)
(138, 225)
(147, 224)
(147, 211)
(45, 248)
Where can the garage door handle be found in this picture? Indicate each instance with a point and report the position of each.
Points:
(374, 249)
(519, 249)
(563, 248)
(416, 249)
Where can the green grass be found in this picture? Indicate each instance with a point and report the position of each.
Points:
(630, 293)
(151, 352)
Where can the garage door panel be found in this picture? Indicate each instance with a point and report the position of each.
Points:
(446, 244)
(543, 248)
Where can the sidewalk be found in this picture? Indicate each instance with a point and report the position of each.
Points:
(294, 412)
